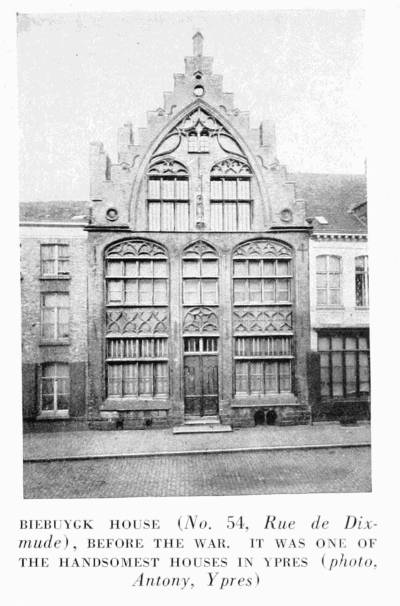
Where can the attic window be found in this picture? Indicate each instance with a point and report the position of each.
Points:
(321, 220)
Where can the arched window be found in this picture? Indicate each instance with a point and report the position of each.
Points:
(200, 275)
(230, 196)
(136, 320)
(168, 196)
(329, 270)
(263, 335)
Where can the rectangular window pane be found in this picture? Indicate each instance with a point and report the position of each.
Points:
(254, 268)
(114, 289)
(240, 293)
(154, 216)
(337, 343)
(48, 251)
(182, 216)
(160, 292)
(271, 377)
(168, 189)
(240, 268)
(161, 379)
(334, 264)
(283, 290)
(182, 189)
(285, 383)
(216, 216)
(145, 292)
(325, 374)
(322, 296)
(337, 374)
(216, 189)
(241, 373)
(191, 292)
(63, 323)
(362, 343)
(269, 267)
(283, 268)
(209, 267)
(48, 268)
(114, 379)
(269, 291)
(167, 216)
(323, 343)
(351, 373)
(154, 189)
(243, 216)
(255, 291)
(209, 292)
(334, 296)
(244, 189)
(230, 222)
(146, 379)
(364, 372)
(131, 292)
(160, 269)
(191, 268)
(256, 377)
(230, 189)
(49, 323)
(146, 269)
(129, 387)
(350, 343)
(321, 263)
(114, 268)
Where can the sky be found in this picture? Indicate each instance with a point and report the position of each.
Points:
(81, 76)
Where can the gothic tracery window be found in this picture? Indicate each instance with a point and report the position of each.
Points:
(137, 341)
(230, 196)
(168, 196)
(262, 282)
(200, 275)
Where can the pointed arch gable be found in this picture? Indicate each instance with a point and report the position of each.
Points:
(199, 248)
(262, 247)
(173, 123)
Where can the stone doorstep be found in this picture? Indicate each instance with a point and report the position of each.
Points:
(193, 427)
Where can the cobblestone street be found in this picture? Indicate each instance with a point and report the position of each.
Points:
(238, 473)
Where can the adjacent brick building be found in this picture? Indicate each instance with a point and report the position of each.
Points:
(180, 292)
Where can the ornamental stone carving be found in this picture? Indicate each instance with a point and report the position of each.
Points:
(262, 249)
(135, 248)
(144, 321)
(167, 166)
(199, 249)
(262, 320)
(231, 167)
(200, 319)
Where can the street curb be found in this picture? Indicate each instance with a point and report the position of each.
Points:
(173, 453)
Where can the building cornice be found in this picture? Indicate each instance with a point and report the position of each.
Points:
(52, 224)
(339, 236)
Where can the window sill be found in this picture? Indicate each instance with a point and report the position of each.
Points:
(45, 342)
(330, 307)
(61, 277)
(58, 414)
(243, 304)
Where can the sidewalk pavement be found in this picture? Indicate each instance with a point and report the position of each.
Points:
(131, 443)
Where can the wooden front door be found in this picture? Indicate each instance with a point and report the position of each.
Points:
(201, 376)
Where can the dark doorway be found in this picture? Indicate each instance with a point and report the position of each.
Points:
(259, 417)
(271, 417)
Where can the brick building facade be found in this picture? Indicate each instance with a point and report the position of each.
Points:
(181, 291)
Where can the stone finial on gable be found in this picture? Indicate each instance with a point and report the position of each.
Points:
(198, 44)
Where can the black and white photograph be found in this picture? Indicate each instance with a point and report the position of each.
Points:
(194, 254)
